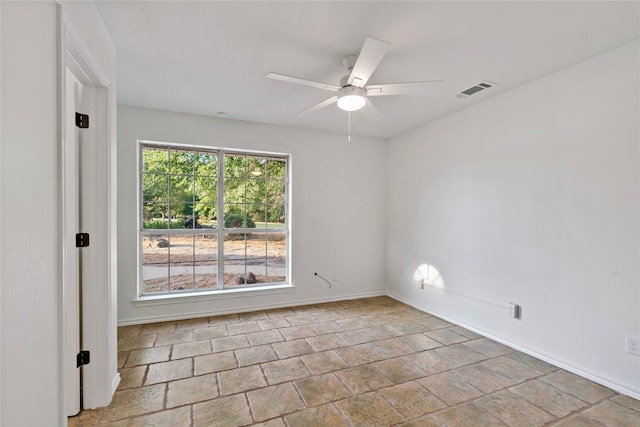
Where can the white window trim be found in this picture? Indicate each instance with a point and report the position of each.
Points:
(202, 295)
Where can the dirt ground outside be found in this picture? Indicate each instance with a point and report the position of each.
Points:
(190, 262)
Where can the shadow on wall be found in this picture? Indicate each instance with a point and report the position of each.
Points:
(426, 274)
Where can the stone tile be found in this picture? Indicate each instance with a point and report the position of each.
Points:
(179, 417)
(483, 378)
(240, 379)
(363, 378)
(190, 349)
(231, 411)
(122, 358)
(577, 386)
(284, 370)
(627, 401)
(129, 331)
(191, 324)
(148, 355)
(156, 328)
(411, 400)
(393, 347)
(326, 342)
(223, 320)
(131, 377)
(253, 315)
(513, 409)
(368, 410)
(243, 327)
(325, 327)
(323, 316)
(326, 361)
(133, 343)
(509, 368)
(488, 347)
(191, 390)
(229, 343)
(399, 370)
(549, 398)
(210, 332)
(214, 363)
(288, 349)
(167, 338)
(428, 421)
(328, 306)
(358, 354)
(300, 319)
(532, 362)
(280, 312)
(169, 371)
(465, 332)
(580, 421)
(265, 337)
(277, 422)
(419, 342)
(135, 401)
(459, 355)
(353, 323)
(382, 332)
(469, 414)
(296, 332)
(435, 323)
(87, 418)
(446, 336)
(321, 389)
(274, 401)
(302, 309)
(254, 355)
(321, 416)
(430, 361)
(450, 388)
(612, 414)
(410, 327)
(358, 336)
(273, 323)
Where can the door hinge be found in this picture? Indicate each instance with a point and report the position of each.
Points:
(82, 240)
(83, 358)
(82, 120)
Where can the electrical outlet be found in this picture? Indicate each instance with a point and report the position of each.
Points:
(513, 310)
(633, 345)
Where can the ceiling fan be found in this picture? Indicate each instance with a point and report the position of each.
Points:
(353, 93)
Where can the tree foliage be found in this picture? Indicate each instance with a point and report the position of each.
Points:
(178, 185)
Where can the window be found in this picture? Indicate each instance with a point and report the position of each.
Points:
(211, 219)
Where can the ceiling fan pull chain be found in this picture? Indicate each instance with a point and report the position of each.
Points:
(349, 134)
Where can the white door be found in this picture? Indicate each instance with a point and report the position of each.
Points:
(72, 255)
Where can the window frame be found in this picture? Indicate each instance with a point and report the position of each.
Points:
(219, 231)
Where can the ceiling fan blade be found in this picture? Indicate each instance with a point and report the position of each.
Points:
(305, 82)
(411, 88)
(370, 56)
(317, 106)
(370, 111)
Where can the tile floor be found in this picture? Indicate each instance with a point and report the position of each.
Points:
(366, 362)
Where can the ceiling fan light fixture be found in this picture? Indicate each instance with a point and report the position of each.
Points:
(351, 98)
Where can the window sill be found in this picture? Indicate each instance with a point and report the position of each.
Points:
(209, 295)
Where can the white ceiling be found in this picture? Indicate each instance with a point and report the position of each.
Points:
(207, 57)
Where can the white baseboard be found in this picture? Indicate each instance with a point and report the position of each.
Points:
(114, 385)
(607, 382)
(195, 315)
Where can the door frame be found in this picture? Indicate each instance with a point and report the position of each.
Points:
(100, 377)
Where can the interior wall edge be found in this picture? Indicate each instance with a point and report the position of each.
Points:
(549, 358)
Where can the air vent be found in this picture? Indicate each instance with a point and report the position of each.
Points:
(484, 85)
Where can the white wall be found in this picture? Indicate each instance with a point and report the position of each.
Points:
(531, 197)
(30, 212)
(338, 212)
